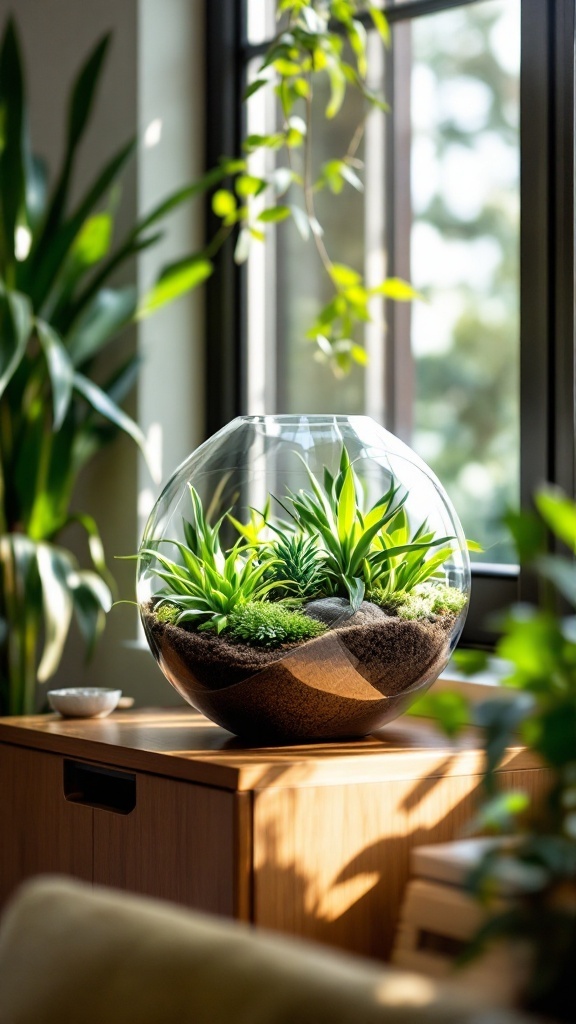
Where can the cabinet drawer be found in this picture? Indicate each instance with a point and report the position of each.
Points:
(40, 831)
(162, 837)
(178, 843)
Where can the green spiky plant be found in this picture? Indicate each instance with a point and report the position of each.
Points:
(298, 561)
(58, 312)
(330, 549)
(365, 553)
(207, 585)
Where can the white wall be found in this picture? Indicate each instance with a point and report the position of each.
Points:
(154, 71)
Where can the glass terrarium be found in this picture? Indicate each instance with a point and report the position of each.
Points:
(302, 577)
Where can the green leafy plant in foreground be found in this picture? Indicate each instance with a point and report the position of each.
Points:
(365, 553)
(268, 624)
(538, 855)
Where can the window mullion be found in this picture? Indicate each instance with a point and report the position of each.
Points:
(562, 194)
(225, 302)
(547, 251)
(399, 372)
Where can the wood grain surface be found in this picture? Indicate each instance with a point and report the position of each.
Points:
(331, 863)
(181, 743)
(39, 830)
(177, 844)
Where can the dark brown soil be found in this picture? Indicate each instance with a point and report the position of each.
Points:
(215, 661)
(343, 683)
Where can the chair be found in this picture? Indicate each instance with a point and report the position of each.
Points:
(70, 954)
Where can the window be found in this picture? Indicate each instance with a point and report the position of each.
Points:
(469, 195)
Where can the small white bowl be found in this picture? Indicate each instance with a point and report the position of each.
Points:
(84, 702)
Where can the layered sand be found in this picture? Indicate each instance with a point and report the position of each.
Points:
(343, 683)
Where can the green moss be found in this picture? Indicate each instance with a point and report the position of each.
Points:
(271, 625)
(167, 613)
(447, 600)
(431, 600)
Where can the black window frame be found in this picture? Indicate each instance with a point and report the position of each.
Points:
(547, 262)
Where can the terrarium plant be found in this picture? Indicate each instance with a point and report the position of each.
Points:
(331, 574)
(365, 553)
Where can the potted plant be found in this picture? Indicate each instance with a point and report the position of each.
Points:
(302, 577)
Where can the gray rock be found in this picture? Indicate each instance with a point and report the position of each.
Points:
(336, 611)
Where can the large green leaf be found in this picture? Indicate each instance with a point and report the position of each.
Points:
(91, 437)
(559, 514)
(92, 600)
(102, 404)
(94, 434)
(81, 101)
(84, 92)
(68, 316)
(136, 241)
(15, 330)
(60, 369)
(121, 382)
(22, 605)
(90, 246)
(46, 476)
(11, 148)
(95, 546)
(36, 186)
(48, 256)
(174, 281)
(108, 313)
(54, 568)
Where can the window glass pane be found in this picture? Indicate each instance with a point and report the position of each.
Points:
(454, 149)
(464, 258)
(260, 20)
(304, 384)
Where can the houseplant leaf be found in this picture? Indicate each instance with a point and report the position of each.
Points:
(53, 569)
(81, 101)
(174, 281)
(60, 369)
(11, 149)
(110, 311)
(102, 404)
(15, 330)
(41, 270)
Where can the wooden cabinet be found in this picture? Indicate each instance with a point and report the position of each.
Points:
(312, 840)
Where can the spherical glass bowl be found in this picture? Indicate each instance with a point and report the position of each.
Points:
(302, 577)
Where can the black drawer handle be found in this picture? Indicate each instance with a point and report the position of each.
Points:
(104, 788)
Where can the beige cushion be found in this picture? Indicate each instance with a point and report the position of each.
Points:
(70, 954)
